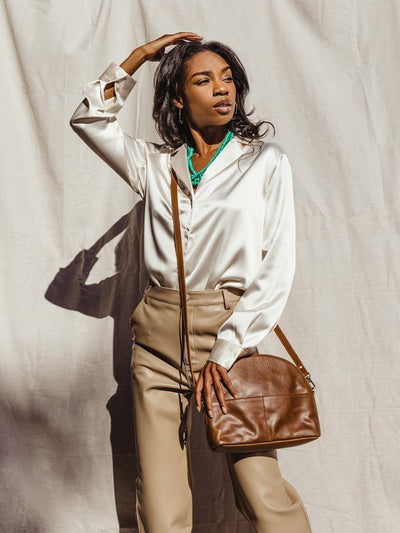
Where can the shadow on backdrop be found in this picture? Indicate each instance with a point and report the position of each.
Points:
(117, 297)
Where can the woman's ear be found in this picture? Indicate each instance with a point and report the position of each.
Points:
(178, 103)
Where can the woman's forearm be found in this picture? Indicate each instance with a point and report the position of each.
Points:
(130, 65)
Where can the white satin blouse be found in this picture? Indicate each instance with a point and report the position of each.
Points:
(238, 228)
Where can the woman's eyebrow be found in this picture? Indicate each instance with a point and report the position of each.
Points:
(207, 72)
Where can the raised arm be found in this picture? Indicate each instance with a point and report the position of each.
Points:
(94, 120)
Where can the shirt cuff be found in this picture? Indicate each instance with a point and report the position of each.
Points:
(110, 102)
(226, 352)
(114, 72)
(94, 90)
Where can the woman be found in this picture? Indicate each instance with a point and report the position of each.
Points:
(238, 224)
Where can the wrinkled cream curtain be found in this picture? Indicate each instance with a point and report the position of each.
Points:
(326, 75)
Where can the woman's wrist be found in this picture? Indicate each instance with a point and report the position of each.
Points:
(130, 65)
(134, 60)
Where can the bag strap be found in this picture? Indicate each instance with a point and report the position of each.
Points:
(182, 288)
(181, 270)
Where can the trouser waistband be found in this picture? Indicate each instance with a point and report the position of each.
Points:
(225, 295)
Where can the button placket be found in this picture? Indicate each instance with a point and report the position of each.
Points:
(186, 221)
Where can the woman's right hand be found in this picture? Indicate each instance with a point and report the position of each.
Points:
(154, 50)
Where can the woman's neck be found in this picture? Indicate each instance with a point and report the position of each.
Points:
(208, 141)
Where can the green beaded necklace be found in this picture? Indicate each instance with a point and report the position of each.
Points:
(196, 176)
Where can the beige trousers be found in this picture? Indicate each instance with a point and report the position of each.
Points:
(162, 391)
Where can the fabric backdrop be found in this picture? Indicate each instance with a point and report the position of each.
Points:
(326, 74)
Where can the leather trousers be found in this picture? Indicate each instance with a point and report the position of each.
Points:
(162, 391)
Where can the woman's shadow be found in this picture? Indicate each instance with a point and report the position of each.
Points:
(117, 296)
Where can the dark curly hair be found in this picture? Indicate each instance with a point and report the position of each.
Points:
(169, 84)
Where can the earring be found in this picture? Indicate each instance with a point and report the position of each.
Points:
(180, 117)
(235, 108)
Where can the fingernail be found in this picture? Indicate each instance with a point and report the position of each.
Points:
(210, 414)
(224, 410)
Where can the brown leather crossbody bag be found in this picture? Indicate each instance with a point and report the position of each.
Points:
(275, 407)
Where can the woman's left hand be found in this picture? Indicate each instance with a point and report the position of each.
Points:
(211, 375)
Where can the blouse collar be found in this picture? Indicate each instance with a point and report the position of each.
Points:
(229, 155)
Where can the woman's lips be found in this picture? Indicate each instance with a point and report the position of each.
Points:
(223, 109)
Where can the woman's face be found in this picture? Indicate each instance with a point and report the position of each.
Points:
(209, 89)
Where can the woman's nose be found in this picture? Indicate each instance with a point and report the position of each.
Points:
(221, 89)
